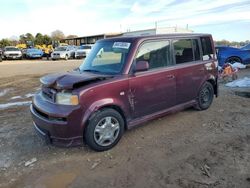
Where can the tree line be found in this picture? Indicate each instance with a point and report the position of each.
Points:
(233, 43)
(38, 39)
(57, 35)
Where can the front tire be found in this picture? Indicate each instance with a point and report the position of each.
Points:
(66, 57)
(104, 130)
(205, 96)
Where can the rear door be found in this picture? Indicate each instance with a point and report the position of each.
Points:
(153, 90)
(190, 68)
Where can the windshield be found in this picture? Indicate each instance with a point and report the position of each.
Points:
(106, 57)
(11, 49)
(247, 47)
(33, 50)
(61, 49)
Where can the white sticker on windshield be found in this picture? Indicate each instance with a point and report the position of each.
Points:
(123, 45)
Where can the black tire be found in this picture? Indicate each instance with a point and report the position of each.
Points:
(205, 96)
(90, 133)
(233, 60)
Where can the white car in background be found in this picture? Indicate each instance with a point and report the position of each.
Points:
(63, 52)
(82, 51)
(11, 52)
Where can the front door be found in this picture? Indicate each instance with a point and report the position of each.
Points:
(153, 90)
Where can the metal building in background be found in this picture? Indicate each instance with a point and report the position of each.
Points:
(154, 31)
(89, 39)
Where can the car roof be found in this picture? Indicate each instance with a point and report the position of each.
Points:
(145, 37)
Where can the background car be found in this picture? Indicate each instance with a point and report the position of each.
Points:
(82, 51)
(11, 52)
(247, 47)
(226, 54)
(24, 52)
(63, 52)
(1, 52)
(32, 53)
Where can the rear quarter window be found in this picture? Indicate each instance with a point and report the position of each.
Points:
(207, 49)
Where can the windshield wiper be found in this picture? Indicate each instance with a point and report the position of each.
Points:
(90, 70)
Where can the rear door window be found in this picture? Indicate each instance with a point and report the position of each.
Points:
(207, 49)
(186, 50)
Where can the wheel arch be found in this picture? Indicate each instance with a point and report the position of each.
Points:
(234, 56)
(212, 79)
(99, 105)
(214, 84)
(118, 109)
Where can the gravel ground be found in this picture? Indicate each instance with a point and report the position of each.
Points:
(188, 149)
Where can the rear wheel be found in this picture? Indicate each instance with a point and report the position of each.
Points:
(104, 130)
(232, 60)
(205, 96)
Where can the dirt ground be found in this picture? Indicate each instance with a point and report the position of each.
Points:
(188, 149)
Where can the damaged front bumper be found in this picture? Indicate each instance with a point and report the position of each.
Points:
(58, 126)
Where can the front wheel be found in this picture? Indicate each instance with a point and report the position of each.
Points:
(66, 57)
(104, 130)
(205, 96)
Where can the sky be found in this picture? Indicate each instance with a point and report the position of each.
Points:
(224, 19)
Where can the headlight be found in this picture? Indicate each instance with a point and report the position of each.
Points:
(67, 99)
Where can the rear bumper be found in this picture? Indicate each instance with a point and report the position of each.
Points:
(58, 126)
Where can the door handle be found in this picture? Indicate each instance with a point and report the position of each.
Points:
(170, 77)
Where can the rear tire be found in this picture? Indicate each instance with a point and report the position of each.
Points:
(233, 60)
(205, 96)
(104, 130)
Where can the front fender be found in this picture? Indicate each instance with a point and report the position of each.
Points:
(97, 105)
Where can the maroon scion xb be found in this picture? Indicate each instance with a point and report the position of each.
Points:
(124, 82)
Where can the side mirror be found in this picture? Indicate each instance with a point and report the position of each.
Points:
(141, 66)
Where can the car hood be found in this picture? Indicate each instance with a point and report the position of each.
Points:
(12, 52)
(60, 52)
(80, 50)
(72, 80)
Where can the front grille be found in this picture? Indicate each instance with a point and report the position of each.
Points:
(49, 94)
(13, 54)
(81, 53)
(56, 54)
(46, 116)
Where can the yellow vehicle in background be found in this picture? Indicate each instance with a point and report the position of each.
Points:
(21, 46)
